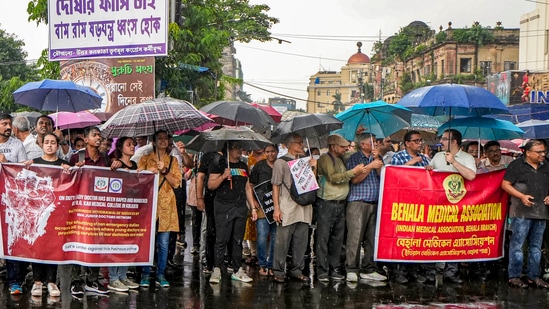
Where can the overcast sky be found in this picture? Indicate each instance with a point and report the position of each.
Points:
(323, 34)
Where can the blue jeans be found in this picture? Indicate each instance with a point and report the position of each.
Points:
(117, 273)
(265, 231)
(162, 241)
(531, 230)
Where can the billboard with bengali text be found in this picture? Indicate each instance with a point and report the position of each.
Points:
(87, 215)
(85, 29)
(430, 216)
(119, 81)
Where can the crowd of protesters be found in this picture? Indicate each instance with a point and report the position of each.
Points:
(337, 230)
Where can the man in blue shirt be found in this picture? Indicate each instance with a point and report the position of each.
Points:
(362, 210)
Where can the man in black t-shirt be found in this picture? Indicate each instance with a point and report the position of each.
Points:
(205, 202)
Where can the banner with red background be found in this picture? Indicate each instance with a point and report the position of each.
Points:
(88, 215)
(430, 216)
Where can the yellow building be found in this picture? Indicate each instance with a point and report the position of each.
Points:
(331, 91)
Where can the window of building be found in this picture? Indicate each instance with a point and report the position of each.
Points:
(465, 65)
(486, 67)
(442, 68)
(318, 92)
(328, 92)
(509, 65)
(435, 69)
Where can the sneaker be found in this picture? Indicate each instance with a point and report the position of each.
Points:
(77, 290)
(53, 290)
(129, 283)
(145, 282)
(118, 286)
(241, 276)
(15, 289)
(352, 277)
(337, 276)
(36, 289)
(96, 287)
(246, 251)
(373, 276)
(194, 250)
(323, 277)
(216, 275)
(161, 281)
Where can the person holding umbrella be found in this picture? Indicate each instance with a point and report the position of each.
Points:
(230, 178)
(159, 161)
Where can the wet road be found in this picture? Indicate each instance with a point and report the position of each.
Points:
(190, 289)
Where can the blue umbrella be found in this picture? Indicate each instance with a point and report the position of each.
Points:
(379, 118)
(57, 95)
(483, 128)
(453, 100)
(535, 128)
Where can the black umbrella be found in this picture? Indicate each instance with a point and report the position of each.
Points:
(216, 140)
(313, 127)
(238, 113)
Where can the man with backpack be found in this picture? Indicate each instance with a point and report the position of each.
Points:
(331, 200)
(293, 219)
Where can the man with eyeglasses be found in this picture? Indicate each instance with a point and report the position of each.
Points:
(494, 159)
(526, 180)
(361, 211)
(453, 159)
(411, 155)
(472, 148)
(331, 203)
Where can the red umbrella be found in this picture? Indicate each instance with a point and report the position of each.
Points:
(277, 117)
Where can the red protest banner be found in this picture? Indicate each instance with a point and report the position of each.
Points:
(87, 215)
(429, 216)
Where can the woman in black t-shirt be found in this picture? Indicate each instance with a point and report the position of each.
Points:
(47, 272)
(230, 180)
(124, 150)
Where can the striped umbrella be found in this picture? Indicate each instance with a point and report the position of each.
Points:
(150, 116)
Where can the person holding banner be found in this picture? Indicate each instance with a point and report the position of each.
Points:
(453, 159)
(527, 180)
(266, 231)
(88, 156)
(230, 179)
(124, 150)
(12, 150)
(293, 219)
(410, 156)
(47, 272)
(160, 162)
(361, 210)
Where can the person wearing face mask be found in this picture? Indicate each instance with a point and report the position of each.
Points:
(314, 152)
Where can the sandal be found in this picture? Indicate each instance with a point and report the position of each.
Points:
(263, 272)
(539, 283)
(279, 279)
(301, 278)
(517, 283)
(271, 272)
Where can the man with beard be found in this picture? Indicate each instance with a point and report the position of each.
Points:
(12, 150)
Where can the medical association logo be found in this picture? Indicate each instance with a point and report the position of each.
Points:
(454, 188)
(106, 184)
